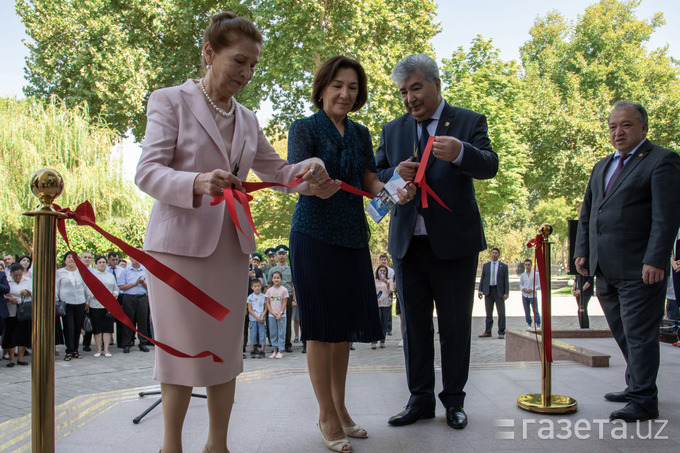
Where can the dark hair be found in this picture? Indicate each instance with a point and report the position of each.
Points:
(30, 261)
(223, 26)
(384, 255)
(99, 257)
(256, 281)
(63, 258)
(640, 111)
(377, 271)
(277, 272)
(329, 69)
(496, 249)
(16, 267)
(527, 260)
(112, 254)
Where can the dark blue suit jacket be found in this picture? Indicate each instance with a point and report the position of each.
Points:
(635, 223)
(452, 234)
(502, 279)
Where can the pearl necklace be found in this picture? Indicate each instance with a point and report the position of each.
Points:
(210, 101)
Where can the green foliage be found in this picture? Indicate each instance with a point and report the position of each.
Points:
(574, 74)
(113, 53)
(479, 80)
(34, 136)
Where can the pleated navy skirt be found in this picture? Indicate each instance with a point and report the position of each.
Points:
(335, 291)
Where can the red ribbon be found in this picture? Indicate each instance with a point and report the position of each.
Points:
(230, 196)
(543, 272)
(84, 215)
(420, 180)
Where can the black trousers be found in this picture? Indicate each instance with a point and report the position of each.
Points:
(634, 312)
(75, 315)
(423, 281)
(137, 309)
(494, 298)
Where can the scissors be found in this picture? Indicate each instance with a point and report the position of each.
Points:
(238, 163)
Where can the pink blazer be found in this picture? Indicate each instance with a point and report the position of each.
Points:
(182, 140)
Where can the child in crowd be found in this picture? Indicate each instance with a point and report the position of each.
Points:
(256, 311)
(383, 289)
(277, 298)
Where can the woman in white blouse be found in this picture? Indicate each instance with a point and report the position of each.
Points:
(17, 333)
(102, 321)
(72, 290)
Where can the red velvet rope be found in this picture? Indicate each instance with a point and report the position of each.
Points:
(84, 215)
(543, 272)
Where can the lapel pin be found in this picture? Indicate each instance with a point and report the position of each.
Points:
(640, 155)
(447, 124)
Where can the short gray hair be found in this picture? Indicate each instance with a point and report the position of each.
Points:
(640, 111)
(413, 64)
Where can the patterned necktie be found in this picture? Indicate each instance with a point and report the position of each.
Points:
(619, 167)
(424, 136)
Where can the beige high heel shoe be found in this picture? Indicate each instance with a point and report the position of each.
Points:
(337, 445)
(355, 431)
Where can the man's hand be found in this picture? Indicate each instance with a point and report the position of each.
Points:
(446, 148)
(212, 183)
(580, 262)
(407, 170)
(480, 294)
(651, 274)
(505, 296)
(676, 265)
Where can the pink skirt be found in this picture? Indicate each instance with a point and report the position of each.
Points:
(180, 324)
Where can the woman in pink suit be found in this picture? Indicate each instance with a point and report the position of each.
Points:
(196, 136)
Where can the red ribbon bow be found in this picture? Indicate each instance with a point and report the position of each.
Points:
(420, 180)
(231, 196)
(84, 215)
(538, 241)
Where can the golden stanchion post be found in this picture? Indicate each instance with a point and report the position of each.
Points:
(545, 402)
(46, 184)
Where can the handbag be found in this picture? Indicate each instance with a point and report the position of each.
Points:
(25, 309)
(60, 308)
(87, 323)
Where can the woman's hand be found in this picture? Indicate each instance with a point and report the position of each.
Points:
(212, 183)
(12, 300)
(25, 293)
(320, 184)
(407, 194)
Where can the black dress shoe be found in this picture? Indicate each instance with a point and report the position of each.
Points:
(410, 414)
(87, 348)
(617, 397)
(456, 417)
(289, 349)
(632, 413)
(126, 349)
(143, 348)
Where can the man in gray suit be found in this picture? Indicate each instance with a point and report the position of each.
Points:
(435, 249)
(630, 215)
(494, 286)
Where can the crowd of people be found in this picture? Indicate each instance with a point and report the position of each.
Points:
(82, 316)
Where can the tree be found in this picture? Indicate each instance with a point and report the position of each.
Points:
(113, 53)
(574, 74)
(34, 136)
(479, 80)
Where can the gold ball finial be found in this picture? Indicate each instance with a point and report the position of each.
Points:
(46, 184)
(545, 230)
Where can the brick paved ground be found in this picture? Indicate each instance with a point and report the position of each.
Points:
(125, 371)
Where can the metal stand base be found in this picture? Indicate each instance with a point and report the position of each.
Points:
(533, 402)
(139, 418)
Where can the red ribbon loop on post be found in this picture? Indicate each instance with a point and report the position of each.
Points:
(84, 215)
(544, 271)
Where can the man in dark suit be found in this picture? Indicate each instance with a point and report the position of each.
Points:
(435, 250)
(630, 215)
(494, 286)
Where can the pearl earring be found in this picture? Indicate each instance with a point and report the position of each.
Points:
(207, 67)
